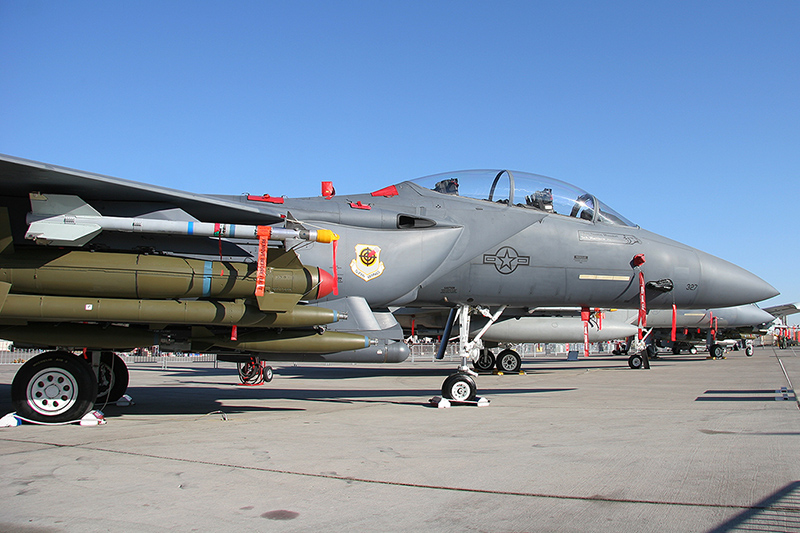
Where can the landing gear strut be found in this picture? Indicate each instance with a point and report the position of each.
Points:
(461, 386)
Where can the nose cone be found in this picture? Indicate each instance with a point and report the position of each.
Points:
(723, 284)
(745, 315)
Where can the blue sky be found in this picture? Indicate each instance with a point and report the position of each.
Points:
(683, 116)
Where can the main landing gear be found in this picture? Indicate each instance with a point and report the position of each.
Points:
(716, 351)
(461, 387)
(508, 361)
(59, 386)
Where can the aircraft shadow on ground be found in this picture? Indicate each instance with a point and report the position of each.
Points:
(777, 512)
(199, 396)
(192, 399)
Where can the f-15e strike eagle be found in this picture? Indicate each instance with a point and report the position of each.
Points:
(94, 264)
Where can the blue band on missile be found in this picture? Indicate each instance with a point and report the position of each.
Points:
(190, 229)
(207, 278)
(366, 342)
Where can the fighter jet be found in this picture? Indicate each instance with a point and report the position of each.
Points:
(469, 240)
(686, 329)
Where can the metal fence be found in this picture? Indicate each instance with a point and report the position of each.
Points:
(419, 352)
(427, 351)
(22, 356)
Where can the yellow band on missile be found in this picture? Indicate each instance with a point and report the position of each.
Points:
(326, 235)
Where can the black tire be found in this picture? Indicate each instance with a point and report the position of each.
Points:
(459, 387)
(748, 351)
(485, 361)
(509, 361)
(112, 379)
(635, 361)
(676, 350)
(54, 387)
(268, 374)
(716, 351)
(693, 350)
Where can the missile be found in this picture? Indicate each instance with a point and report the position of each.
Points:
(383, 352)
(121, 275)
(95, 336)
(67, 220)
(297, 341)
(189, 312)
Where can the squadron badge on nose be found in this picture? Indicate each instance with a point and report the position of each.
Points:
(367, 265)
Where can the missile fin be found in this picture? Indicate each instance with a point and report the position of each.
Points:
(277, 302)
(60, 234)
(61, 204)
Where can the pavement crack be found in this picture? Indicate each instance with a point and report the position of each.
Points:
(471, 490)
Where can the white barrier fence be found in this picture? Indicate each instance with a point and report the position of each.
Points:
(21, 356)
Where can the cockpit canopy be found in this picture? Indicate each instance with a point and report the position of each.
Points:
(522, 189)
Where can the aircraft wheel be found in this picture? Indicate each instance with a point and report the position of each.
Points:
(748, 351)
(485, 361)
(268, 374)
(635, 361)
(459, 387)
(112, 379)
(54, 387)
(509, 361)
(693, 350)
(716, 351)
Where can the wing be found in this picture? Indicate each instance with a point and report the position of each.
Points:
(20, 177)
(779, 311)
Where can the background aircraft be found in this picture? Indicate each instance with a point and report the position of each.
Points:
(540, 325)
(710, 328)
(467, 240)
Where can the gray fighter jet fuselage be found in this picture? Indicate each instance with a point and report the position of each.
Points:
(462, 240)
(523, 240)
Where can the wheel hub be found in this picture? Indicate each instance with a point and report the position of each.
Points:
(52, 391)
(460, 391)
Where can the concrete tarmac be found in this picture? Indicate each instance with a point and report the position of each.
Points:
(588, 445)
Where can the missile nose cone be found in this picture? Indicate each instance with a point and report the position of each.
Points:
(325, 284)
(728, 285)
